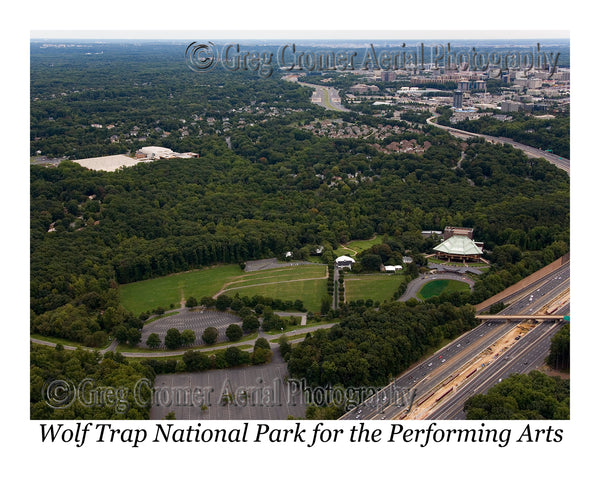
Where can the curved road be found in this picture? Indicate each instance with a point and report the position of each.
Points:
(415, 285)
(560, 162)
(174, 353)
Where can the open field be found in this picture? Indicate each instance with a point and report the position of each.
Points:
(164, 291)
(437, 287)
(278, 275)
(377, 287)
(354, 247)
(309, 291)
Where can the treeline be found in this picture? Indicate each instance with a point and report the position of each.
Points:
(535, 396)
(197, 361)
(545, 134)
(84, 384)
(368, 346)
(560, 349)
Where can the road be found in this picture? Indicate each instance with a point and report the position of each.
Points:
(522, 358)
(560, 162)
(415, 285)
(537, 293)
(326, 97)
(428, 378)
(387, 403)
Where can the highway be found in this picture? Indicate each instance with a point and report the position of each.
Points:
(387, 403)
(326, 97)
(522, 358)
(427, 380)
(560, 162)
(539, 291)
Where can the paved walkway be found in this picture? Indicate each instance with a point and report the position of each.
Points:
(414, 286)
(174, 353)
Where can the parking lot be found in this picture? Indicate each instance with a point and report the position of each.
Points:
(196, 320)
(246, 393)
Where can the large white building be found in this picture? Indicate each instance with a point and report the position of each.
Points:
(156, 153)
(344, 262)
(458, 245)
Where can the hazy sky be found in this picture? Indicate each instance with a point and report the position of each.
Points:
(300, 34)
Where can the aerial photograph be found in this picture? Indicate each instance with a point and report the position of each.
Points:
(299, 228)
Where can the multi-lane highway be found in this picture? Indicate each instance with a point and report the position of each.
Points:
(390, 401)
(522, 358)
(456, 371)
(536, 293)
(560, 162)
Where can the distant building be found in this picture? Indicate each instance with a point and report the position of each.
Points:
(157, 153)
(388, 76)
(458, 245)
(344, 262)
(362, 88)
(510, 106)
(451, 231)
(457, 100)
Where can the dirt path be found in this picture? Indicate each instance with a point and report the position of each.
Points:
(224, 289)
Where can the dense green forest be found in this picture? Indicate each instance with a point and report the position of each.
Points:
(535, 396)
(369, 346)
(261, 186)
(107, 387)
(560, 349)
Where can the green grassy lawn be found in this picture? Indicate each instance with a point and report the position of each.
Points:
(164, 291)
(161, 292)
(357, 246)
(309, 291)
(377, 287)
(437, 287)
(360, 245)
(299, 272)
(338, 252)
(63, 341)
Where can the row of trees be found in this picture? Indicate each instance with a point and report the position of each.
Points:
(546, 134)
(196, 360)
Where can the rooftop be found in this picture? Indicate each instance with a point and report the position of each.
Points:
(459, 245)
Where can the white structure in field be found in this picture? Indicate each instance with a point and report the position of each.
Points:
(156, 153)
(344, 262)
(111, 163)
(393, 268)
